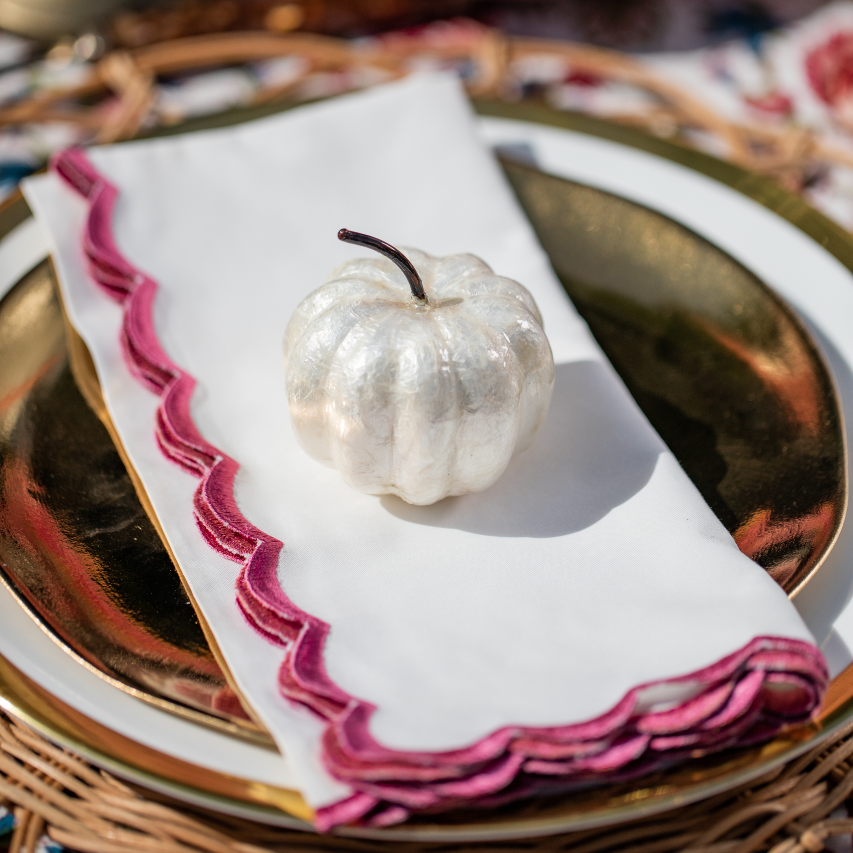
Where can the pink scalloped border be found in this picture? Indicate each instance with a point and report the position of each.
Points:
(769, 685)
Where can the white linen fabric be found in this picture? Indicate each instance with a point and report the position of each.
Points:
(592, 566)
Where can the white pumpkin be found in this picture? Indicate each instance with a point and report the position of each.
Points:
(421, 386)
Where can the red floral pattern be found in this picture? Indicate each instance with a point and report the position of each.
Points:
(829, 67)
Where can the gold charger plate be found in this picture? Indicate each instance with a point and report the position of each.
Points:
(676, 347)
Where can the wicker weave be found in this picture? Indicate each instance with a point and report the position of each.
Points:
(788, 154)
(55, 792)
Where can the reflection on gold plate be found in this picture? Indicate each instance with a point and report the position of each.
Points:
(75, 541)
(720, 366)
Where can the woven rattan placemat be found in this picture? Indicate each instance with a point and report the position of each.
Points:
(52, 792)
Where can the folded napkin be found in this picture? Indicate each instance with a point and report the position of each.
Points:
(586, 617)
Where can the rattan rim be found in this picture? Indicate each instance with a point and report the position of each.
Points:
(54, 792)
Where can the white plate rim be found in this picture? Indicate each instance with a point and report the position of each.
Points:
(712, 209)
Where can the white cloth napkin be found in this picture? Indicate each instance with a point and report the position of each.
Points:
(591, 567)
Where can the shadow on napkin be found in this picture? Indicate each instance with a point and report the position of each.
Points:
(594, 452)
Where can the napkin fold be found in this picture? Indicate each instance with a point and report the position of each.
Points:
(585, 618)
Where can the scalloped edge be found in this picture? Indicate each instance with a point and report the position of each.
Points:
(769, 685)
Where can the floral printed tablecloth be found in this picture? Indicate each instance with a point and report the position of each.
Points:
(797, 80)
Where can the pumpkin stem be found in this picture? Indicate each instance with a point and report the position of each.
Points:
(395, 255)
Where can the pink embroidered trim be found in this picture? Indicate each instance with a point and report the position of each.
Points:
(769, 685)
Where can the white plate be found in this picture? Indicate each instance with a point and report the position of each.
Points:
(807, 275)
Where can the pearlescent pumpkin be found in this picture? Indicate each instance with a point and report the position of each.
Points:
(418, 398)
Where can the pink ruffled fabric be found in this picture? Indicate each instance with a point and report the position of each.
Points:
(771, 684)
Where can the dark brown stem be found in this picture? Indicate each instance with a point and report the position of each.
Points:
(405, 265)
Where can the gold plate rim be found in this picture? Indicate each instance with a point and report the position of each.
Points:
(760, 189)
